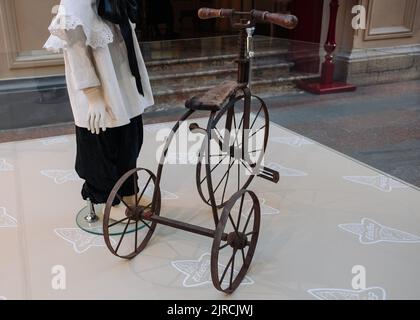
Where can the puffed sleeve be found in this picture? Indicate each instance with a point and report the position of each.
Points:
(79, 60)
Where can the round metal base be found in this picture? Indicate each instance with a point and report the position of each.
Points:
(94, 224)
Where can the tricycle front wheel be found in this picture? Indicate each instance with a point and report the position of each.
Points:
(225, 165)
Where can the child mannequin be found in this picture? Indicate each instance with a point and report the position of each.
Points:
(106, 99)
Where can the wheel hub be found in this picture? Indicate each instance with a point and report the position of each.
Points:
(236, 152)
(136, 213)
(237, 240)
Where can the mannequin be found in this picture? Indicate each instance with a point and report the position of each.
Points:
(106, 99)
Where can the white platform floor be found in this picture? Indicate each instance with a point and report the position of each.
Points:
(327, 215)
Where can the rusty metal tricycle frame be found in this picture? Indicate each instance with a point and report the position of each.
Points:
(227, 96)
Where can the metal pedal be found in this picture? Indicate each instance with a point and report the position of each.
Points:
(269, 174)
(195, 128)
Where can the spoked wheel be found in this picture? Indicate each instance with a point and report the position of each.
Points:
(235, 241)
(144, 200)
(231, 165)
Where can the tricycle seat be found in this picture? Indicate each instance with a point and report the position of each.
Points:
(214, 98)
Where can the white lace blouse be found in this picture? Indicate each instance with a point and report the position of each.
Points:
(95, 55)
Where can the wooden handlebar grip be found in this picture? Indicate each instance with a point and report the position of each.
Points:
(209, 13)
(287, 21)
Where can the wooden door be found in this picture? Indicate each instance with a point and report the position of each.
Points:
(310, 14)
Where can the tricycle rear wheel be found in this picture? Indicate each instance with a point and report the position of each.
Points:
(146, 202)
(233, 239)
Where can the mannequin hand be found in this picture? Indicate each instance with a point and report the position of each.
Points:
(98, 110)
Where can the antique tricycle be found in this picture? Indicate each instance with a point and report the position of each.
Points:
(236, 118)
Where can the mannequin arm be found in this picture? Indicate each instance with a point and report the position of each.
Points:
(79, 60)
(98, 110)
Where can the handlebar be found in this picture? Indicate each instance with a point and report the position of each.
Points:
(287, 21)
(210, 13)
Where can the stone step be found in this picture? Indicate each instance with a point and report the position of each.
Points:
(167, 98)
(202, 77)
(181, 69)
(168, 66)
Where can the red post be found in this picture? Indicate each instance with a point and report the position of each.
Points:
(327, 84)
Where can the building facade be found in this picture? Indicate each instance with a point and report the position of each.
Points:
(389, 43)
